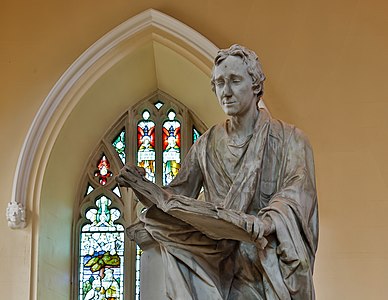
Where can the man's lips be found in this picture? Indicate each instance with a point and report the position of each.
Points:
(228, 102)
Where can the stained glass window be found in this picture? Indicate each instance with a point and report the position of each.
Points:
(171, 148)
(150, 137)
(104, 171)
(146, 145)
(101, 260)
(119, 145)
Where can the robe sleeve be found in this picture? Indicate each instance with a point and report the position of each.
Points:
(293, 210)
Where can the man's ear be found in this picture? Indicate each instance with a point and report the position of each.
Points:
(257, 88)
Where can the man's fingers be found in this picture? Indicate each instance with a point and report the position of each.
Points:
(141, 171)
(126, 179)
(257, 227)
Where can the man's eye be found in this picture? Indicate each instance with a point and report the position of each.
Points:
(219, 83)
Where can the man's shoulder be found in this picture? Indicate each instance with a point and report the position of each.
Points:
(202, 140)
(213, 130)
(286, 132)
(280, 129)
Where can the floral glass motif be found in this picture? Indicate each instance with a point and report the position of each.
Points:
(103, 172)
(102, 253)
(146, 145)
(119, 145)
(171, 147)
(196, 134)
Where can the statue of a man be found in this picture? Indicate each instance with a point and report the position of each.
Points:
(257, 173)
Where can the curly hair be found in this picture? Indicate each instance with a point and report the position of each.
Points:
(250, 59)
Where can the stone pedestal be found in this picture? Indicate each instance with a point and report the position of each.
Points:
(152, 280)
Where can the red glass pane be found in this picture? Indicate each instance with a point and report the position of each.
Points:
(171, 148)
(146, 146)
(103, 172)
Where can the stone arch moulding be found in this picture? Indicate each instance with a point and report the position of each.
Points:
(95, 61)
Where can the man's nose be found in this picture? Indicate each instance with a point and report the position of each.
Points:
(227, 90)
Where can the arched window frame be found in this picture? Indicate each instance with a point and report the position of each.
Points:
(127, 203)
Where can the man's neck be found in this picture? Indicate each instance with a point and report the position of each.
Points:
(240, 127)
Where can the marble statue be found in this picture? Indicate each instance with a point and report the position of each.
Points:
(255, 235)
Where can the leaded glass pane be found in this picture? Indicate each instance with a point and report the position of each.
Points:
(146, 145)
(139, 252)
(102, 253)
(89, 189)
(171, 148)
(196, 134)
(116, 190)
(159, 104)
(119, 145)
(103, 172)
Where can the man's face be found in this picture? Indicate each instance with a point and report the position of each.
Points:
(234, 87)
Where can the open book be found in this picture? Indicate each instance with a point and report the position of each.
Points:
(215, 222)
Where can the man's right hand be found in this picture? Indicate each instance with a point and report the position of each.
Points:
(148, 193)
(129, 175)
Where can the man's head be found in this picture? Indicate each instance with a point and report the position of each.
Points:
(251, 62)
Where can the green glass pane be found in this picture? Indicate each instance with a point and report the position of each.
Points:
(119, 145)
(196, 134)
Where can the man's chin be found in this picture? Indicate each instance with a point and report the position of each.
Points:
(230, 112)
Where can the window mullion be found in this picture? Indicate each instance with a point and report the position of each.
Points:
(159, 151)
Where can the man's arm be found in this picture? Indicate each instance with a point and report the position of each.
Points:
(257, 226)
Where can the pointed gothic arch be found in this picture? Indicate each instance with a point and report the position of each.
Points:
(150, 25)
(44, 181)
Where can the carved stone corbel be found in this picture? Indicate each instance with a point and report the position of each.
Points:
(16, 215)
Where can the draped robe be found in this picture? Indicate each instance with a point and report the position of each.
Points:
(269, 175)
